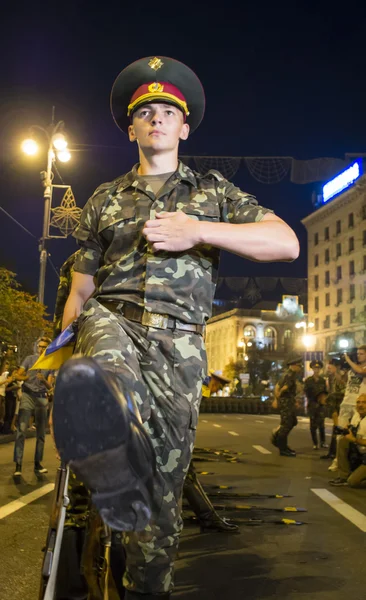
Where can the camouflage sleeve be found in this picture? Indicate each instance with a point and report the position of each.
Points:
(63, 292)
(86, 233)
(237, 206)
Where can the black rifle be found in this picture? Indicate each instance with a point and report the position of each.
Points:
(54, 535)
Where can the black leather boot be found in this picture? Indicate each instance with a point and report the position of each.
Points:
(202, 507)
(98, 432)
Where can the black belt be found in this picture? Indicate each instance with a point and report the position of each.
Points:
(136, 313)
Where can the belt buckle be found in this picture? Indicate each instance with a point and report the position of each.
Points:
(156, 320)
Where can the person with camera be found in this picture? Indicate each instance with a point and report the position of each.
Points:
(34, 399)
(355, 380)
(351, 449)
(315, 389)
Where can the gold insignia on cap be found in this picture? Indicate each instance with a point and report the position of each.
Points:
(155, 87)
(156, 63)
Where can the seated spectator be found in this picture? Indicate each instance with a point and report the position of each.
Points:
(351, 450)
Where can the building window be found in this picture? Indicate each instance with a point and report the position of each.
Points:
(287, 339)
(338, 227)
(316, 324)
(352, 315)
(339, 296)
(351, 268)
(326, 234)
(316, 260)
(338, 250)
(327, 322)
(351, 244)
(352, 288)
(339, 318)
(270, 337)
(327, 299)
(326, 256)
(316, 304)
(364, 263)
(316, 282)
(327, 278)
(339, 273)
(250, 331)
(316, 239)
(364, 238)
(350, 221)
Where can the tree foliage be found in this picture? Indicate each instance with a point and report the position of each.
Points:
(22, 318)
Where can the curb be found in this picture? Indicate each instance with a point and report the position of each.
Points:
(10, 437)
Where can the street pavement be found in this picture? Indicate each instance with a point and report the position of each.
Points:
(322, 559)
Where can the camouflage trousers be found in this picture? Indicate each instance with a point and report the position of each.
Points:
(164, 370)
(287, 408)
(317, 422)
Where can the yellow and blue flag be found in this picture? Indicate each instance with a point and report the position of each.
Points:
(58, 351)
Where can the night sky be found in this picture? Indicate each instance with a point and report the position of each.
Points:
(281, 79)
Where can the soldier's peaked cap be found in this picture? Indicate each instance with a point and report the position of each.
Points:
(157, 79)
(316, 363)
(296, 360)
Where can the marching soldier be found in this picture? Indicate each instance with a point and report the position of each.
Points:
(315, 389)
(125, 412)
(285, 400)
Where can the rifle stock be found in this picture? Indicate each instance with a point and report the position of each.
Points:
(54, 535)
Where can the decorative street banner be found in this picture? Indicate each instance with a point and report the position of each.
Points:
(271, 169)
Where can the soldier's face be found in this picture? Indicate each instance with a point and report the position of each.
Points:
(157, 128)
(332, 369)
(316, 370)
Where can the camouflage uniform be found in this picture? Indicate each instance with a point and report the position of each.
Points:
(160, 363)
(287, 408)
(336, 388)
(312, 388)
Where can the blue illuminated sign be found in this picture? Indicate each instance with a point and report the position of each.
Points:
(343, 181)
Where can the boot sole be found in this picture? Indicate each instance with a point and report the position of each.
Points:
(96, 434)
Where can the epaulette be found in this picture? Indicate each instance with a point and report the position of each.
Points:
(213, 174)
(109, 184)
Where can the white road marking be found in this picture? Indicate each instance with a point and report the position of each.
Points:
(15, 505)
(344, 509)
(259, 421)
(216, 425)
(233, 433)
(262, 450)
(239, 418)
(203, 421)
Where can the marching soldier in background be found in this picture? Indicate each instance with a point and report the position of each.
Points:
(315, 389)
(193, 491)
(286, 391)
(336, 385)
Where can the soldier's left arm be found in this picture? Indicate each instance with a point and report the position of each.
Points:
(245, 229)
(249, 230)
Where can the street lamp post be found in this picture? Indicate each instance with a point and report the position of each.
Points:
(56, 142)
(307, 339)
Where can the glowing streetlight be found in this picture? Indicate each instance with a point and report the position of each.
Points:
(307, 340)
(56, 141)
(64, 155)
(59, 141)
(29, 147)
(343, 344)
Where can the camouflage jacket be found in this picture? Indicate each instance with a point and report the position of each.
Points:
(63, 292)
(313, 388)
(180, 284)
(290, 379)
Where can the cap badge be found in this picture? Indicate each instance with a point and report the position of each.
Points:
(155, 87)
(156, 63)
